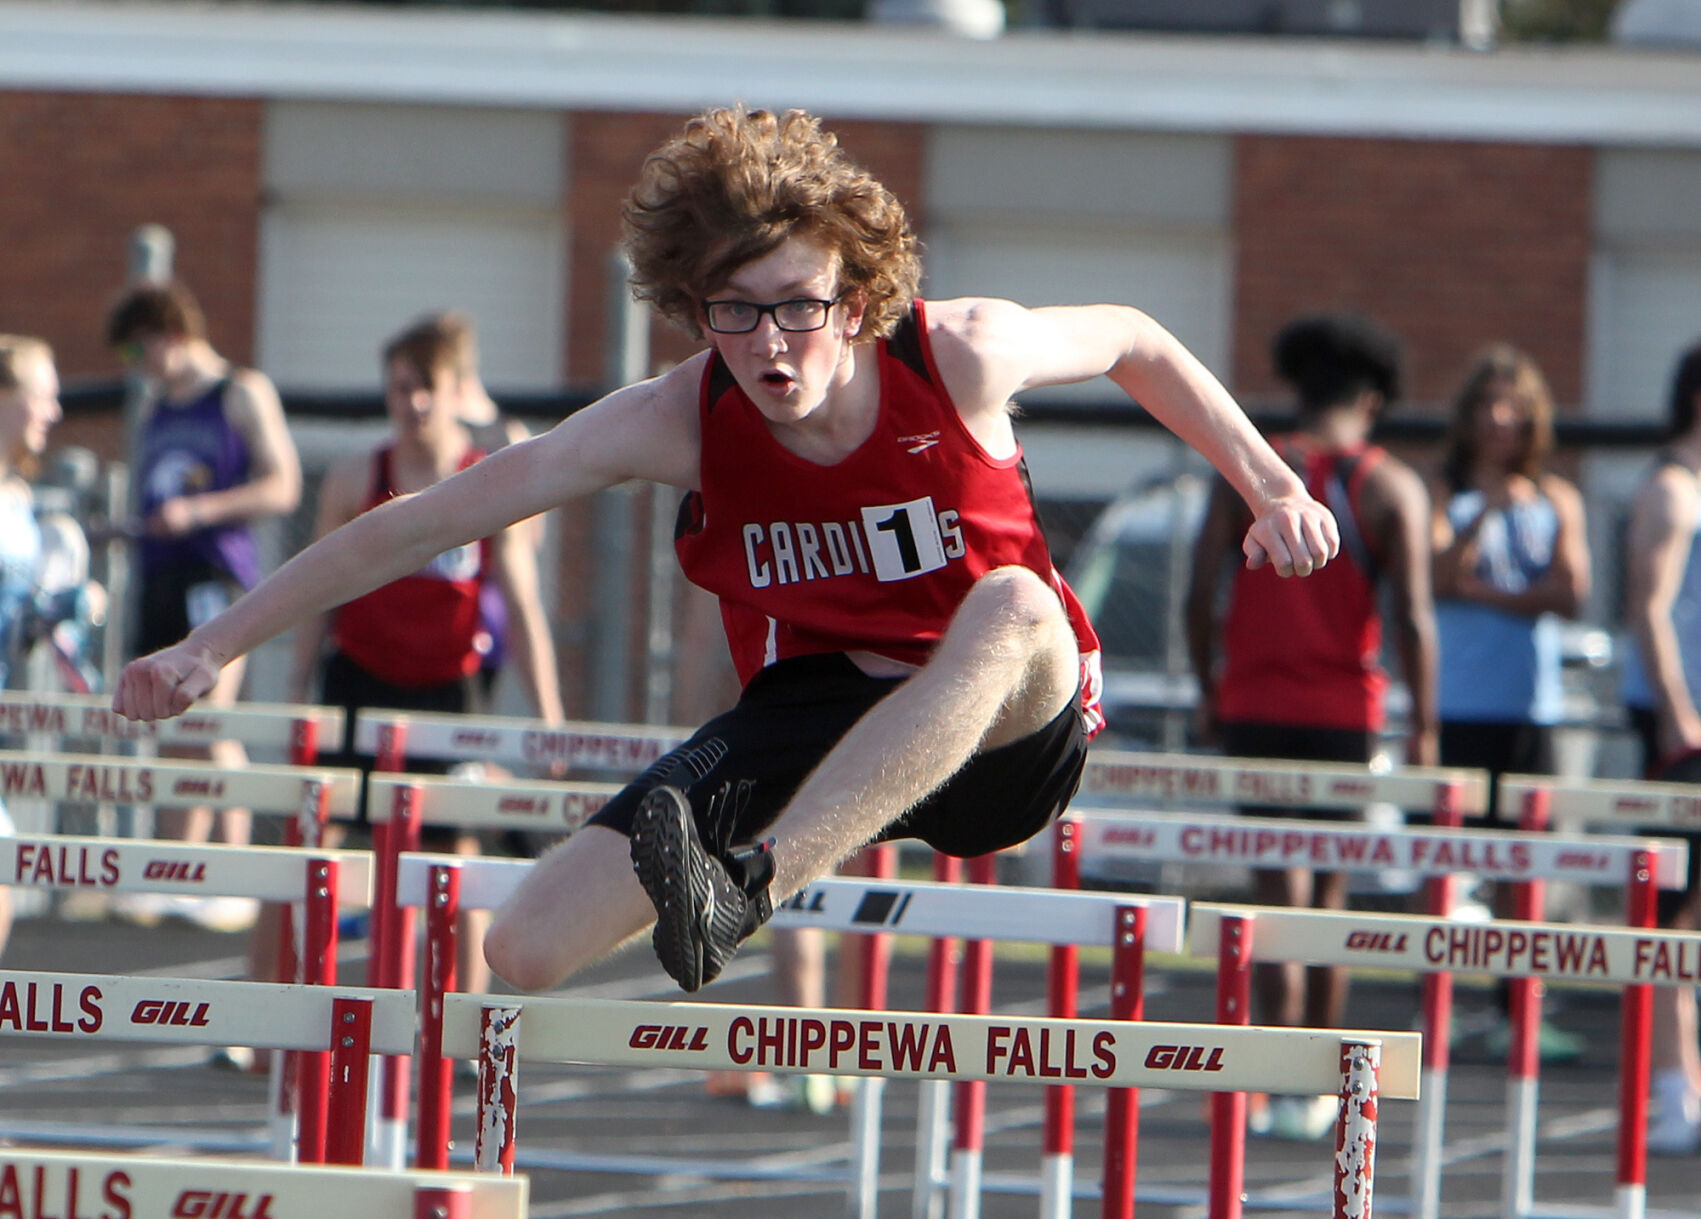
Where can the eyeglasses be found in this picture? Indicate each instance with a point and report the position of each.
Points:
(741, 317)
(131, 351)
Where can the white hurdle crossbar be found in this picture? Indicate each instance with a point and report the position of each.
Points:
(926, 1045)
(315, 883)
(348, 1022)
(289, 727)
(63, 1183)
(92, 778)
(1196, 778)
(514, 741)
(858, 904)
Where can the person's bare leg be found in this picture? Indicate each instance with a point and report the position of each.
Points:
(1006, 666)
(577, 904)
(1326, 985)
(1279, 986)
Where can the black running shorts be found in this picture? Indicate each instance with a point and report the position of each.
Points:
(752, 758)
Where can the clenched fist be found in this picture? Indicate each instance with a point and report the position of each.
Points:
(163, 684)
(1296, 534)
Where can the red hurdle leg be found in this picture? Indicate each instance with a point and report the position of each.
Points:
(1228, 1109)
(443, 1202)
(1122, 1105)
(1436, 991)
(397, 971)
(498, 1089)
(351, 1051)
(436, 1074)
(1523, 1065)
(318, 967)
(1355, 1129)
(1635, 1031)
(1057, 1163)
(970, 1094)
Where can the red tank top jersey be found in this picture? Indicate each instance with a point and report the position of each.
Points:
(1305, 652)
(874, 553)
(424, 629)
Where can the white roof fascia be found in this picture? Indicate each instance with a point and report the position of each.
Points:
(1045, 78)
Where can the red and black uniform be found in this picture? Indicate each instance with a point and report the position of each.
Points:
(412, 644)
(874, 553)
(1301, 675)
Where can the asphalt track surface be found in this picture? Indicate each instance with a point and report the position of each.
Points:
(575, 1121)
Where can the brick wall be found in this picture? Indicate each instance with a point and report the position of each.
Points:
(1450, 244)
(82, 171)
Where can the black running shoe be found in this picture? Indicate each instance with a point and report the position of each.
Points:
(706, 905)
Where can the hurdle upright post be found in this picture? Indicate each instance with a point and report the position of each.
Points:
(944, 956)
(1523, 1063)
(1063, 980)
(351, 1044)
(1228, 1109)
(1635, 1033)
(1436, 991)
(1122, 1105)
(970, 1094)
(498, 1089)
(397, 971)
(318, 967)
(880, 862)
(436, 1074)
(1355, 1129)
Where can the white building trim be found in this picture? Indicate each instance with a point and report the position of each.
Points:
(1047, 78)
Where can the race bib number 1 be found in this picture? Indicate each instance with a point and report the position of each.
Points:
(904, 539)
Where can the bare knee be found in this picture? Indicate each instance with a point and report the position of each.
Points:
(1015, 602)
(517, 956)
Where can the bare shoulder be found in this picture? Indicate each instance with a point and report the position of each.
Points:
(1562, 492)
(342, 492)
(978, 344)
(251, 395)
(1396, 484)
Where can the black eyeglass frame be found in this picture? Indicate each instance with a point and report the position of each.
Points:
(773, 311)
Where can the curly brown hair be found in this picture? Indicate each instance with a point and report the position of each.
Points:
(734, 185)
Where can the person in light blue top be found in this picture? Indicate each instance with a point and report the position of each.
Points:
(1661, 691)
(29, 407)
(1511, 559)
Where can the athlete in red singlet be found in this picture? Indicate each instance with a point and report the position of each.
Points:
(415, 642)
(902, 688)
(1300, 674)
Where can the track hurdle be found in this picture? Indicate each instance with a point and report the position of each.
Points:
(316, 883)
(855, 904)
(1629, 957)
(1516, 857)
(118, 1186)
(348, 1023)
(1118, 1054)
(306, 795)
(1604, 802)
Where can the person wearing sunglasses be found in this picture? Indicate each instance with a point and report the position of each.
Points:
(912, 663)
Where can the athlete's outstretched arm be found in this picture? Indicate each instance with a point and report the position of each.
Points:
(989, 350)
(647, 430)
